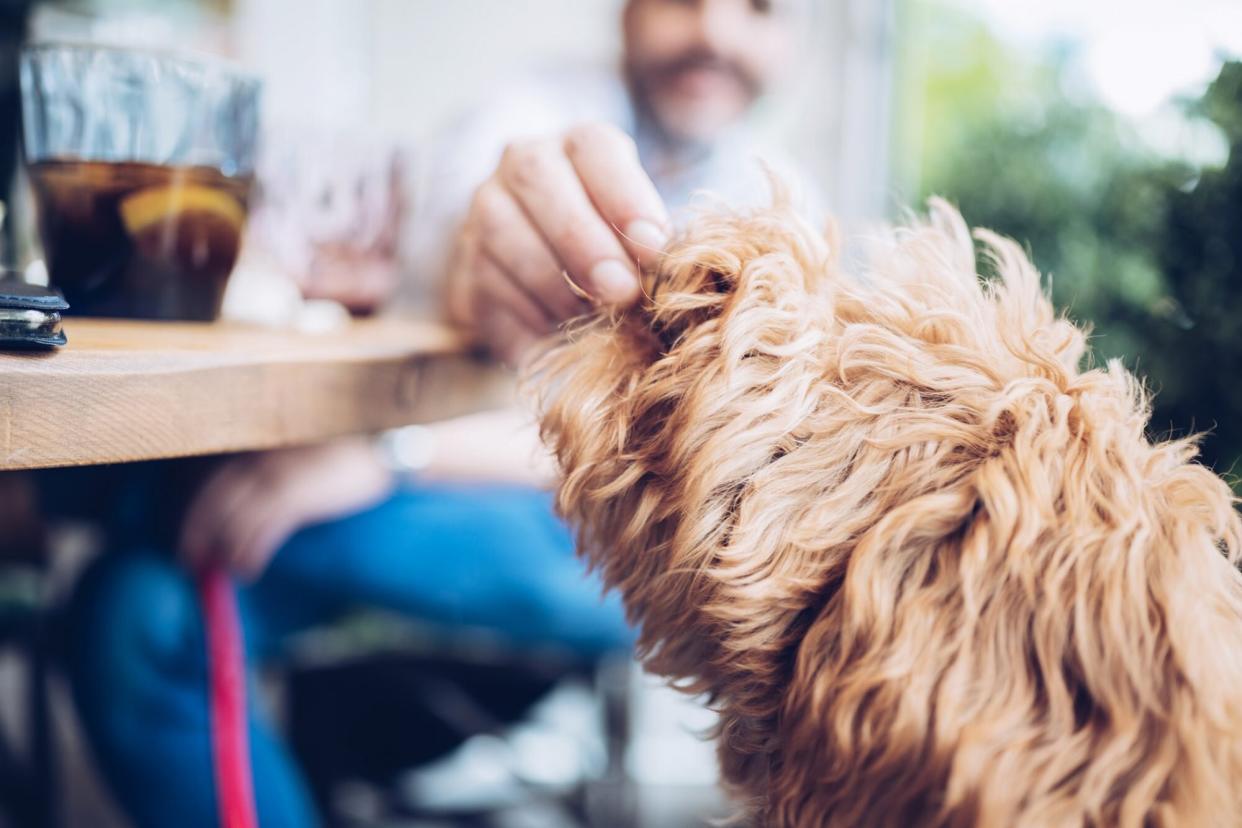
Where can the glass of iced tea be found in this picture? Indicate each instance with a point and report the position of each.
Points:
(142, 165)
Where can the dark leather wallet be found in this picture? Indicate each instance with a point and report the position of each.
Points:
(30, 315)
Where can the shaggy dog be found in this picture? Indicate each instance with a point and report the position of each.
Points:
(928, 569)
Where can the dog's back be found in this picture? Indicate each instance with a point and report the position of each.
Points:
(929, 571)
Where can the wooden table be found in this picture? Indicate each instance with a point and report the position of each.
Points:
(123, 390)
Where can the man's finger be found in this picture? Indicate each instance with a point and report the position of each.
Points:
(495, 286)
(546, 185)
(257, 538)
(509, 338)
(511, 241)
(606, 161)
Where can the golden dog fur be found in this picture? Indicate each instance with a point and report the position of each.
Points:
(928, 569)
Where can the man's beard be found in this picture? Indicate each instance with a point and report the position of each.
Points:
(646, 79)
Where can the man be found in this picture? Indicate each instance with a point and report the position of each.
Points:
(325, 528)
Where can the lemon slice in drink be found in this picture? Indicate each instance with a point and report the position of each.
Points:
(157, 206)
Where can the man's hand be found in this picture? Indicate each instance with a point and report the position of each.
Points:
(361, 281)
(251, 504)
(578, 206)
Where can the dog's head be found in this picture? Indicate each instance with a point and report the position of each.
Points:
(928, 569)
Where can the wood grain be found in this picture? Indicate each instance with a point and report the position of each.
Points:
(123, 390)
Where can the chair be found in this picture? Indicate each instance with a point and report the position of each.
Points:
(415, 696)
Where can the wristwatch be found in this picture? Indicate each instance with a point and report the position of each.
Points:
(406, 451)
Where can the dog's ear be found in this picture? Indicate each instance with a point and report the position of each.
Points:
(637, 404)
(731, 262)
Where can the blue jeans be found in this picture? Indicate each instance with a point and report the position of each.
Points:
(488, 557)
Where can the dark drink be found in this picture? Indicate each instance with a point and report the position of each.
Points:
(140, 240)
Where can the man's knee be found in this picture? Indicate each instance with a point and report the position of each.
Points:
(132, 614)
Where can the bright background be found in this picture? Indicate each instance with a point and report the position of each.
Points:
(1107, 136)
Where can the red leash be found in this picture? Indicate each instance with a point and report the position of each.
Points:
(226, 667)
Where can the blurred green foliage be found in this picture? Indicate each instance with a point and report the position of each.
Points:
(1144, 248)
(1199, 249)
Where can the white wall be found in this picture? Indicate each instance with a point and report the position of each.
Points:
(845, 139)
(430, 56)
(402, 67)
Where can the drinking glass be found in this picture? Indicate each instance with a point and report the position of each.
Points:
(142, 164)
